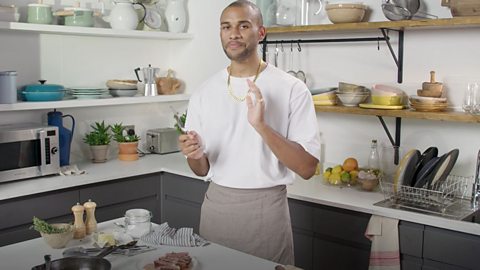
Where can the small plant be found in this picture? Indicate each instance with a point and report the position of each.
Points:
(180, 122)
(43, 227)
(120, 135)
(100, 134)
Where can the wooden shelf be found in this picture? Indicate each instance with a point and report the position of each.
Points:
(407, 113)
(78, 103)
(430, 23)
(90, 31)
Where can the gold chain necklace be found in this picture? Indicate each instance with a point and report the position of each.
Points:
(229, 86)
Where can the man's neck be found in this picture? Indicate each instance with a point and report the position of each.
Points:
(245, 68)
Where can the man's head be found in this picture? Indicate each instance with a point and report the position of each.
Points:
(241, 28)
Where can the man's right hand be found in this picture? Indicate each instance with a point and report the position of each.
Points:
(191, 145)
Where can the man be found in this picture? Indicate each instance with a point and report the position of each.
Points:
(251, 128)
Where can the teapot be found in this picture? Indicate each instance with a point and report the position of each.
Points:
(123, 15)
(149, 74)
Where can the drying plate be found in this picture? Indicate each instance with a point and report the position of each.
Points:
(425, 173)
(444, 167)
(406, 169)
(426, 156)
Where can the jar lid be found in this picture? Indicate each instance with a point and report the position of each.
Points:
(8, 73)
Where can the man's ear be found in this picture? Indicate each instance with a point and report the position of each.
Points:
(262, 32)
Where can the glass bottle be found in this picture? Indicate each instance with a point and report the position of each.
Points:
(373, 158)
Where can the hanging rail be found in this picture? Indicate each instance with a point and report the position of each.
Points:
(397, 58)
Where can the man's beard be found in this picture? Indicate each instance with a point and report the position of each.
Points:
(245, 54)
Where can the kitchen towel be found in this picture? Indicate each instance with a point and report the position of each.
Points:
(385, 249)
(183, 237)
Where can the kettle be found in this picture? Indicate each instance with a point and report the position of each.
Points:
(65, 135)
(149, 74)
(123, 16)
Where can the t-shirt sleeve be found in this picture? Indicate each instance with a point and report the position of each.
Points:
(303, 125)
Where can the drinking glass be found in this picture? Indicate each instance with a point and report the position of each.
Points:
(467, 99)
(475, 92)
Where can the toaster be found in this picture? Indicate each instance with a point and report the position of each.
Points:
(162, 140)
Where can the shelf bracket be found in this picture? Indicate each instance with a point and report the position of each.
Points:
(395, 143)
(398, 60)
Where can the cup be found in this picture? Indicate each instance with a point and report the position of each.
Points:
(387, 162)
(39, 13)
(474, 91)
(8, 87)
(137, 222)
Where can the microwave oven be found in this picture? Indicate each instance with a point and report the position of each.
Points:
(28, 150)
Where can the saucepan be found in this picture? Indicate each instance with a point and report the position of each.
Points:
(91, 263)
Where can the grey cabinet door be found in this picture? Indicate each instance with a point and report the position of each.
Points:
(411, 263)
(433, 265)
(339, 255)
(411, 238)
(301, 215)
(17, 214)
(181, 200)
(452, 248)
(115, 197)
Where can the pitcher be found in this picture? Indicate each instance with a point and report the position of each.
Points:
(65, 135)
(123, 16)
(149, 74)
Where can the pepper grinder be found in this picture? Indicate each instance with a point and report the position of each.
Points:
(78, 225)
(90, 222)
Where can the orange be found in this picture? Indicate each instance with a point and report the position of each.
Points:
(350, 164)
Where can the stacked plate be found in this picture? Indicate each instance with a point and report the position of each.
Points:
(122, 88)
(324, 97)
(89, 93)
(428, 104)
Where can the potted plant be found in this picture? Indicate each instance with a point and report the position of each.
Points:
(99, 140)
(127, 142)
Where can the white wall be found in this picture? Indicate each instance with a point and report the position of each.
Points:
(92, 60)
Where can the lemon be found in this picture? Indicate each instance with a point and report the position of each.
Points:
(337, 169)
(329, 169)
(326, 175)
(335, 179)
(354, 174)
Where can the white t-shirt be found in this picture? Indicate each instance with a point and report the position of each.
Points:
(238, 156)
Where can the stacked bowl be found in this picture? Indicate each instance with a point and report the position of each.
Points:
(428, 104)
(324, 97)
(385, 95)
(351, 94)
(122, 88)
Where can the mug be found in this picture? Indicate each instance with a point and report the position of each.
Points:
(39, 13)
(137, 222)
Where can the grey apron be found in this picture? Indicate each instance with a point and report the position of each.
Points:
(254, 221)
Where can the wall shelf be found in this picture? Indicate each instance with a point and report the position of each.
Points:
(78, 103)
(399, 25)
(90, 31)
(451, 116)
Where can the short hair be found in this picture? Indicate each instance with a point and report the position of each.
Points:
(246, 3)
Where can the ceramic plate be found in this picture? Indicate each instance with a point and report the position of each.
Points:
(425, 172)
(405, 170)
(322, 90)
(443, 168)
(380, 107)
(426, 156)
(152, 256)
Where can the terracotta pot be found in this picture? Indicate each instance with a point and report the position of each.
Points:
(99, 153)
(128, 151)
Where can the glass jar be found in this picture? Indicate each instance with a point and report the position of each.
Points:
(137, 222)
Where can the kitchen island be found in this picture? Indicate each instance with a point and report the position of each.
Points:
(314, 190)
(29, 253)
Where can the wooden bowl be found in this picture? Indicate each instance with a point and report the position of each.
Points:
(435, 93)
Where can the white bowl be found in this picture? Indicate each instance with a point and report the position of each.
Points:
(345, 13)
(352, 100)
(123, 93)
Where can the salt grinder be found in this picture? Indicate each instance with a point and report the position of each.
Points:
(90, 222)
(78, 225)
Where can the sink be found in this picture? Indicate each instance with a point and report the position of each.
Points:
(473, 217)
(460, 210)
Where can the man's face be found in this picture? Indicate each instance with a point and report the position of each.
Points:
(240, 33)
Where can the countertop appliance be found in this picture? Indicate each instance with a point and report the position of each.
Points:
(28, 150)
(162, 140)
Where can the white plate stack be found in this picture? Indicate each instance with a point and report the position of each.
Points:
(90, 93)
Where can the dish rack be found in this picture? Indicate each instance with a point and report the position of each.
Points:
(436, 199)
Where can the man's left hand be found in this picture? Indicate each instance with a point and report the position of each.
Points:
(256, 105)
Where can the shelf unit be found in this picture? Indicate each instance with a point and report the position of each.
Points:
(385, 28)
(78, 103)
(90, 31)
